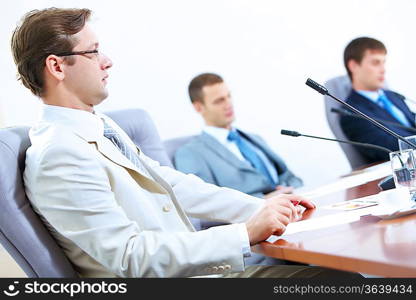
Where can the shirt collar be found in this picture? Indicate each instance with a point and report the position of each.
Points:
(220, 134)
(88, 125)
(371, 95)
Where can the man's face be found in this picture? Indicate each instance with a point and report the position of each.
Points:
(86, 79)
(369, 74)
(216, 107)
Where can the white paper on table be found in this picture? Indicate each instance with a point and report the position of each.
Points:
(322, 222)
(360, 177)
(389, 202)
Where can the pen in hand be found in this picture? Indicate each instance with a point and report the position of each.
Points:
(295, 202)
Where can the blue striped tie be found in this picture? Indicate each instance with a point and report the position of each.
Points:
(124, 148)
(250, 155)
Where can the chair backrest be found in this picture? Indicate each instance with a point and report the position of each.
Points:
(141, 129)
(340, 87)
(22, 233)
(171, 145)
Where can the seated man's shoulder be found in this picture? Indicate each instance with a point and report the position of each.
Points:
(192, 153)
(395, 95)
(194, 144)
(350, 95)
(48, 141)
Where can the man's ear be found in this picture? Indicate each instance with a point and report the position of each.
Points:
(54, 65)
(352, 65)
(198, 105)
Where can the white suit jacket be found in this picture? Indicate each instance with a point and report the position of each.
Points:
(114, 220)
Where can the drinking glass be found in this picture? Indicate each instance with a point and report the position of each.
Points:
(403, 165)
(404, 146)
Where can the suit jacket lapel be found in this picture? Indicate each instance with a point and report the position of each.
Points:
(223, 152)
(274, 158)
(399, 103)
(106, 148)
(154, 184)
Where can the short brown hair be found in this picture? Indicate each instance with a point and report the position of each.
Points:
(355, 50)
(196, 85)
(40, 34)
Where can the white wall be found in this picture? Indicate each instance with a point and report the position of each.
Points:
(264, 49)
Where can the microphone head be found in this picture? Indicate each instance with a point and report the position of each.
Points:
(289, 132)
(317, 87)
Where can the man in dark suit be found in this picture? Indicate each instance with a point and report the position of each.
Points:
(364, 59)
(226, 156)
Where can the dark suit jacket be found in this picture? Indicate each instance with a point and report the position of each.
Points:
(359, 130)
(207, 158)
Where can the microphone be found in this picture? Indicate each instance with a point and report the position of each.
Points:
(385, 184)
(324, 91)
(296, 134)
(345, 112)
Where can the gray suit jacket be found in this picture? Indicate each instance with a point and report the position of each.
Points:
(207, 158)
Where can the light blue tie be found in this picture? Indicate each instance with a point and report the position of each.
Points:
(394, 111)
(124, 148)
(250, 155)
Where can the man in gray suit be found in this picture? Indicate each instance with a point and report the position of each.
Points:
(226, 156)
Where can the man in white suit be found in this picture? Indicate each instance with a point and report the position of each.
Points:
(115, 212)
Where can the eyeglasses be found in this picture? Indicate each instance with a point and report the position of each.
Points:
(79, 53)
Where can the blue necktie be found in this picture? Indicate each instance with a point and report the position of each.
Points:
(124, 148)
(250, 155)
(394, 111)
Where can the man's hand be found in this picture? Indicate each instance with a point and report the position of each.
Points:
(274, 216)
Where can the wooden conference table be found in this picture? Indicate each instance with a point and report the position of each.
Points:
(371, 245)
